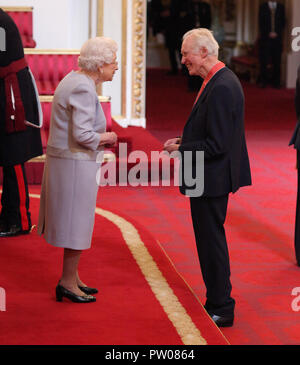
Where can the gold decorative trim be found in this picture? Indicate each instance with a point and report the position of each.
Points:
(138, 58)
(17, 8)
(191, 289)
(100, 18)
(49, 98)
(90, 18)
(124, 58)
(107, 157)
(38, 159)
(99, 31)
(51, 51)
(183, 323)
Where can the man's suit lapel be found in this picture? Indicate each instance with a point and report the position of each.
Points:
(205, 91)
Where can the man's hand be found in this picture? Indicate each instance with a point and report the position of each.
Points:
(171, 147)
(172, 141)
(172, 144)
(273, 35)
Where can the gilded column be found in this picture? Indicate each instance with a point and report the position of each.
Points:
(138, 60)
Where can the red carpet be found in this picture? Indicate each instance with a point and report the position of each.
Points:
(260, 229)
(142, 298)
(260, 221)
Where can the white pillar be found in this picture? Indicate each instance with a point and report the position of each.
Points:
(293, 57)
(247, 22)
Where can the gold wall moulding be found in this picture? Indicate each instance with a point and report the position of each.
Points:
(49, 98)
(17, 8)
(138, 63)
(41, 158)
(51, 51)
(124, 59)
(107, 157)
(100, 18)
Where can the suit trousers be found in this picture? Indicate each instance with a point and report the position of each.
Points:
(270, 53)
(208, 215)
(15, 197)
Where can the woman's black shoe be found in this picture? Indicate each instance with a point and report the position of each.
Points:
(63, 292)
(88, 290)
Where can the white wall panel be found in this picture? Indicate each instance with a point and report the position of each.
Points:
(57, 23)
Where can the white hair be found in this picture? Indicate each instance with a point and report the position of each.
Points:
(203, 38)
(96, 52)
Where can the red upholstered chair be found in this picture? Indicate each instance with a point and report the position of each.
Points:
(22, 16)
(247, 62)
(49, 67)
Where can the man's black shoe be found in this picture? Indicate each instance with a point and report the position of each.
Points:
(13, 230)
(222, 321)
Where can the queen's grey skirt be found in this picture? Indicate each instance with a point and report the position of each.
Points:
(68, 201)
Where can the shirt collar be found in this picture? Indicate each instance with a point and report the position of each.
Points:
(272, 4)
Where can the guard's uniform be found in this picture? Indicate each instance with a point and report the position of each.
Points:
(20, 120)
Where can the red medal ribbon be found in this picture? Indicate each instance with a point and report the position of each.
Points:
(217, 67)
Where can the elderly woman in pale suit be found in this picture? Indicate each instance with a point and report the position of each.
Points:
(69, 187)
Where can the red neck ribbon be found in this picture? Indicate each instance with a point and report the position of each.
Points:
(218, 66)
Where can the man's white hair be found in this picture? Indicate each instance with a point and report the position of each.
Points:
(203, 38)
(96, 52)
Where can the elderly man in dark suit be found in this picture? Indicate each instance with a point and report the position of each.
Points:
(296, 142)
(20, 140)
(216, 127)
(271, 27)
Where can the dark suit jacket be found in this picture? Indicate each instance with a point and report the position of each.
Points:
(216, 126)
(265, 20)
(297, 95)
(295, 140)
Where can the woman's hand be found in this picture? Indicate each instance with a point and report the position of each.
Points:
(108, 139)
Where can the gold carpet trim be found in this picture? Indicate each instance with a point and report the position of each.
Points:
(190, 288)
(185, 327)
